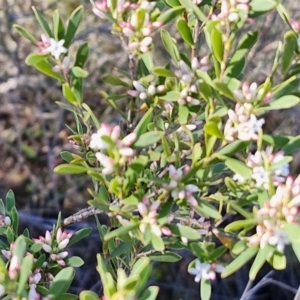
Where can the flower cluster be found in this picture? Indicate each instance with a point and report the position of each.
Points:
(134, 22)
(188, 81)
(143, 93)
(148, 212)
(178, 189)
(230, 10)
(205, 271)
(266, 167)
(242, 124)
(108, 138)
(280, 209)
(34, 279)
(55, 245)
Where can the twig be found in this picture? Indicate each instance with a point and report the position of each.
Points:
(145, 253)
(81, 215)
(297, 297)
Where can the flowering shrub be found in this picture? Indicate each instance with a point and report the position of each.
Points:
(189, 156)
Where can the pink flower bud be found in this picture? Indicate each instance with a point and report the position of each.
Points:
(129, 139)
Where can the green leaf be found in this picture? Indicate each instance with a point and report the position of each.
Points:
(140, 266)
(173, 3)
(150, 293)
(284, 102)
(119, 232)
(278, 141)
(223, 89)
(139, 164)
(36, 247)
(43, 23)
(66, 296)
(296, 248)
(14, 218)
(79, 72)
(77, 88)
(82, 55)
(74, 261)
(238, 167)
(92, 115)
(157, 242)
(58, 26)
(233, 148)
(40, 63)
(147, 139)
(162, 72)
(19, 247)
(293, 231)
(287, 87)
(79, 235)
(167, 256)
(172, 96)
(88, 295)
(61, 282)
(10, 200)
(259, 7)
(70, 169)
(211, 128)
(277, 261)
(292, 146)
(259, 261)
(207, 210)
(114, 80)
(185, 32)
(67, 156)
(237, 62)
(240, 224)
(170, 45)
(189, 5)
(26, 267)
(130, 283)
(68, 94)
(290, 45)
(239, 247)
(146, 59)
(205, 289)
(185, 231)
(141, 127)
(183, 114)
(73, 24)
(217, 44)
(121, 249)
(25, 33)
(170, 14)
(240, 261)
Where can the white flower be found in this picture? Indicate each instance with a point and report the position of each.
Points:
(205, 271)
(260, 176)
(107, 162)
(56, 48)
(97, 143)
(279, 239)
(248, 130)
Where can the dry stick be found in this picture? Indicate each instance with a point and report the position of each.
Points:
(80, 215)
